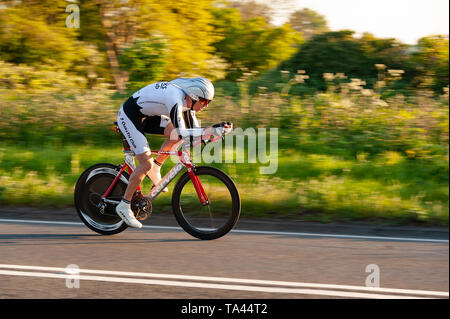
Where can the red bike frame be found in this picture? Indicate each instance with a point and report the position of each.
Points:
(185, 160)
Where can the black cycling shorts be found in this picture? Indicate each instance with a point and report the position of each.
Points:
(133, 124)
(144, 123)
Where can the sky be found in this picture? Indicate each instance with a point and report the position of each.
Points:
(405, 20)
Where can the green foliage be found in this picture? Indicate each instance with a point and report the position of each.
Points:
(145, 62)
(28, 39)
(251, 44)
(308, 23)
(341, 52)
(209, 38)
(390, 52)
(252, 9)
(344, 154)
(48, 107)
(432, 62)
(373, 142)
(311, 187)
(333, 52)
(347, 119)
(187, 30)
(18, 80)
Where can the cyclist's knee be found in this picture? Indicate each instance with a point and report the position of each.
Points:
(171, 133)
(145, 161)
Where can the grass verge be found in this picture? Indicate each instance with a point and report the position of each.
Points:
(325, 188)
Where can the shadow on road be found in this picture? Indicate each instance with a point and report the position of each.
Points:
(71, 239)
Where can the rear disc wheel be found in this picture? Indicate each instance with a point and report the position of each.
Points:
(93, 183)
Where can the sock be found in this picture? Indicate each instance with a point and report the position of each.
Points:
(157, 163)
(126, 201)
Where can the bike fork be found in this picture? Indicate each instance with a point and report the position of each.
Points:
(204, 200)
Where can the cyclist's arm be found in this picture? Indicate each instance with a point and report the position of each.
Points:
(187, 125)
(192, 122)
(178, 121)
(191, 119)
(220, 129)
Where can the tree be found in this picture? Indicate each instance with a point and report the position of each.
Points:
(28, 38)
(184, 27)
(308, 22)
(252, 44)
(431, 61)
(252, 9)
(111, 25)
(331, 52)
(51, 11)
(386, 51)
(389, 52)
(145, 62)
(35, 33)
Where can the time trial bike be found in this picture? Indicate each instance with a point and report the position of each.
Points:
(205, 200)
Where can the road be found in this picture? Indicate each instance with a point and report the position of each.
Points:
(259, 260)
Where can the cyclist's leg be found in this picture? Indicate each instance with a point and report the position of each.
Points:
(132, 129)
(129, 122)
(143, 167)
(170, 144)
(161, 125)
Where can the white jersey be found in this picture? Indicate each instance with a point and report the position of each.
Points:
(163, 98)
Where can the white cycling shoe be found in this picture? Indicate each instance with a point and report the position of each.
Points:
(124, 211)
(155, 175)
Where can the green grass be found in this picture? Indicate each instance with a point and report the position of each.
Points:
(313, 187)
(348, 153)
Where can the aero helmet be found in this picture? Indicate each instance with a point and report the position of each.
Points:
(195, 87)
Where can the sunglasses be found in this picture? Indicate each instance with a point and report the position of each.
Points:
(204, 101)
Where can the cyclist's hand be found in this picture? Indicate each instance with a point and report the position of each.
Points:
(228, 126)
(223, 128)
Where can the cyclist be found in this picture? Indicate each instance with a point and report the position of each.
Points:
(165, 108)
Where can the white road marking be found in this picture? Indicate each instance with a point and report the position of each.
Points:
(208, 286)
(262, 232)
(59, 272)
(342, 236)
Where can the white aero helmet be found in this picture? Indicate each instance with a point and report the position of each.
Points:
(195, 87)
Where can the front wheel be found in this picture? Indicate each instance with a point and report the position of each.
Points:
(216, 218)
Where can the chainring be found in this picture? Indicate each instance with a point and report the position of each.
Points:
(141, 206)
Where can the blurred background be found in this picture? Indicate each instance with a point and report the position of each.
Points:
(362, 119)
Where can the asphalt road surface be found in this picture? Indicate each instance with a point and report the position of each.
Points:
(51, 254)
